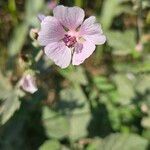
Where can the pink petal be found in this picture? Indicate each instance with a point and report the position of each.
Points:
(59, 53)
(70, 17)
(91, 31)
(90, 26)
(51, 31)
(78, 47)
(41, 17)
(97, 39)
(80, 56)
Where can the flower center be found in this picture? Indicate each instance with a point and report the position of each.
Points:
(69, 40)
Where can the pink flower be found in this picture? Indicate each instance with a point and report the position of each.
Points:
(28, 83)
(67, 38)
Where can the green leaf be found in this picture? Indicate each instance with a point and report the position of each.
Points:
(120, 141)
(109, 11)
(50, 144)
(95, 145)
(9, 106)
(80, 113)
(4, 86)
(138, 67)
(78, 125)
(124, 142)
(57, 126)
(33, 8)
(124, 88)
(146, 134)
(18, 39)
(103, 84)
(10, 99)
(143, 83)
(122, 42)
(75, 74)
(76, 100)
(146, 122)
(71, 110)
(78, 3)
(12, 5)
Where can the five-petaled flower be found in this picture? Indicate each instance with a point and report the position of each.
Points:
(67, 38)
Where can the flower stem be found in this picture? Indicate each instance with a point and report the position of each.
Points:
(139, 20)
(39, 55)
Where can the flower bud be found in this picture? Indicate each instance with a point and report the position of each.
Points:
(34, 34)
(28, 83)
(52, 4)
(139, 47)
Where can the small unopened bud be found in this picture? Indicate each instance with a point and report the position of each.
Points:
(139, 47)
(135, 7)
(52, 4)
(34, 34)
(28, 83)
(144, 108)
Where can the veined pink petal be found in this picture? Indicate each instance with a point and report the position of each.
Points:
(91, 31)
(97, 39)
(70, 17)
(78, 47)
(90, 26)
(51, 31)
(59, 53)
(80, 56)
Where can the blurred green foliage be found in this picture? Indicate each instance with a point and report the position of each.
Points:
(104, 104)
